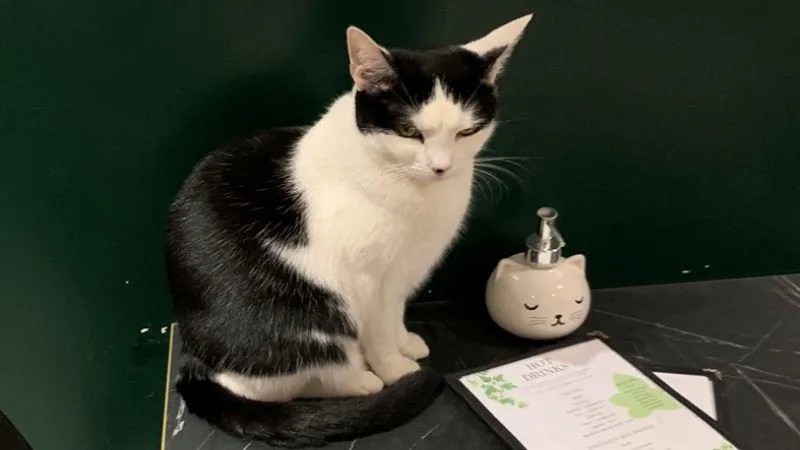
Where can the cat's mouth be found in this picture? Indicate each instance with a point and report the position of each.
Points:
(557, 322)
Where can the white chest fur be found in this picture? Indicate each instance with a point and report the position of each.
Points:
(372, 235)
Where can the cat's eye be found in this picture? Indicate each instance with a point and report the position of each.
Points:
(407, 131)
(531, 308)
(469, 131)
(579, 301)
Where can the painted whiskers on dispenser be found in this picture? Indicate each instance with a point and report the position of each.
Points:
(560, 318)
(539, 294)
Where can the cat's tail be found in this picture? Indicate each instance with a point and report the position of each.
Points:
(307, 423)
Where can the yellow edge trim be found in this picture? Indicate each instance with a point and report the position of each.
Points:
(166, 388)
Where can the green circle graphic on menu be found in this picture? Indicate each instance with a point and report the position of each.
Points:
(640, 399)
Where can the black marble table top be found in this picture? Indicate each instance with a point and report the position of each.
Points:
(748, 329)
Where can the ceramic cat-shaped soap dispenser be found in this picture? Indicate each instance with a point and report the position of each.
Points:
(539, 294)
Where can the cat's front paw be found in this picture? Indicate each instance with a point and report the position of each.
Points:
(367, 383)
(414, 346)
(394, 367)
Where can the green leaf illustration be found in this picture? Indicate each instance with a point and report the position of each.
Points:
(640, 399)
(495, 387)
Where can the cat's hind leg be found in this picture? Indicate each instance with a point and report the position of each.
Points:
(282, 388)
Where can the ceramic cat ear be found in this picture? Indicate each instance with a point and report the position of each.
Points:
(578, 261)
(369, 66)
(497, 46)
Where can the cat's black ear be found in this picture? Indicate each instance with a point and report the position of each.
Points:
(496, 47)
(369, 63)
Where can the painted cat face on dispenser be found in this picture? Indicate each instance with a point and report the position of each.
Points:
(539, 303)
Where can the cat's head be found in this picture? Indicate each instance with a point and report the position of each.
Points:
(427, 113)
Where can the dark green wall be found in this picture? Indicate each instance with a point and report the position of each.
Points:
(667, 134)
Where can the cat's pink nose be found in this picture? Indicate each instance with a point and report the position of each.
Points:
(440, 170)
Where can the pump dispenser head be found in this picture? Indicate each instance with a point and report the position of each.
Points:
(544, 249)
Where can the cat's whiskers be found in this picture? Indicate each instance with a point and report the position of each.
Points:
(478, 184)
(505, 170)
(397, 96)
(396, 173)
(514, 119)
(489, 180)
(511, 159)
(517, 161)
(408, 94)
(519, 158)
(489, 171)
(495, 161)
(468, 103)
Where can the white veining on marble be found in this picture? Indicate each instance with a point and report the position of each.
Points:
(785, 295)
(766, 372)
(789, 290)
(772, 405)
(702, 337)
(638, 354)
(677, 350)
(760, 342)
(202, 444)
(780, 350)
(794, 288)
(763, 381)
(424, 436)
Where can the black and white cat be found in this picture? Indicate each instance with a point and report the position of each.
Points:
(291, 254)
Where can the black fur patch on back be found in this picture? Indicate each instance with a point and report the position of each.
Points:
(238, 306)
(461, 72)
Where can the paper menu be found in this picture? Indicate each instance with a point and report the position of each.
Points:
(698, 389)
(587, 397)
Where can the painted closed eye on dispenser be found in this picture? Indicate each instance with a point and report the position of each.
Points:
(557, 283)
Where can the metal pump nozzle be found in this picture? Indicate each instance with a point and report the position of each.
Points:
(544, 249)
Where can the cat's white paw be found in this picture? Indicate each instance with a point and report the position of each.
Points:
(395, 367)
(414, 346)
(343, 384)
(367, 383)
